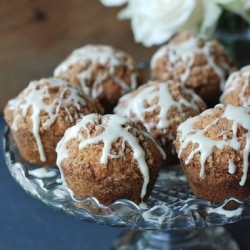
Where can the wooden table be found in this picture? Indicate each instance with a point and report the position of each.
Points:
(37, 35)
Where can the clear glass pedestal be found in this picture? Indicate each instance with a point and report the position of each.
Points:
(204, 239)
(172, 217)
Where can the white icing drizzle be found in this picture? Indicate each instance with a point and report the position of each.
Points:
(33, 98)
(231, 167)
(43, 172)
(205, 145)
(134, 103)
(185, 52)
(114, 129)
(233, 82)
(89, 57)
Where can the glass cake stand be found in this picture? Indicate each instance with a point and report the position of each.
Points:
(171, 218)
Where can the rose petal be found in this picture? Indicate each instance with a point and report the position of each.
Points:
(212, 13)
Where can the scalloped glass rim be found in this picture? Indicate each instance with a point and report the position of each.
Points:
(171, 205)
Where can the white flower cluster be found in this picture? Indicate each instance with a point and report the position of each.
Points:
(155, 21)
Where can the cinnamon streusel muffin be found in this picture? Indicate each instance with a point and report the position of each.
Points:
(161, 107)
(197, 63)
(237, 88)
(109, 157)
(214, 151)
(103, 72)
(40, 114)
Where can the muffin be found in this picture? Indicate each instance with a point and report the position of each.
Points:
(214, 152)
(237, 88)
(109, 157)
(102, 72)
(161, 107)
(199, 64)
(40, 114)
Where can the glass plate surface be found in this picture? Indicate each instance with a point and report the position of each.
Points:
(172, 205)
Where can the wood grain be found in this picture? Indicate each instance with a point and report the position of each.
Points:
(37, 35)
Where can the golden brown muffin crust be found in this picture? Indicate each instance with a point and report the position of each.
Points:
(157, 103)
(202, 66)
(219, 181)
(54, 93)
(104, 80)
(120, 177)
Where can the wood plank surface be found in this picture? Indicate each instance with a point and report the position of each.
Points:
(35, 35)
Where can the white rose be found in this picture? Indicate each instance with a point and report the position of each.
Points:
(155, 21)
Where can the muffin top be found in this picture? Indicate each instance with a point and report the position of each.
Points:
(192, 60)
(46, 102)
(99, 60)
(237, 88)
(220, 135)
(161, 106)
(116, 134)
